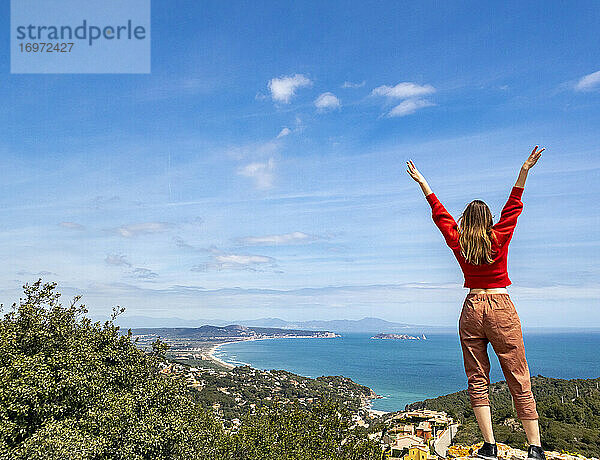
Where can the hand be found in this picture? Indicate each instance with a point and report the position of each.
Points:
(533, 158)
(414, 172)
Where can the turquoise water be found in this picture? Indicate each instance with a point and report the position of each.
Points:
(405, 371)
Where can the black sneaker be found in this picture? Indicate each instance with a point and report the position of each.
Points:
(488, 451)
(536, 452)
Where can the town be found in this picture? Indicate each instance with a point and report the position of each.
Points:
(416, 434)
(399, 337)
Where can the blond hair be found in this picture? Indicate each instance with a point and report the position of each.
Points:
(476, 233)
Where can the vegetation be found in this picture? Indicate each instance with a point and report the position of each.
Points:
(245, 387)
(73, 389)
(293, 432)
(569, 413)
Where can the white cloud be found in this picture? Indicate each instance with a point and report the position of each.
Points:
(261, 173)
(408, 91)
(284, 132)
(250, 262)
(286, 238)
(240, 259)
(403, 90)
(41, 273)
(168, 88)
(408, 107)
(143, 273)
(254, 150)
(72, 226)
(181, 243)
(118, 260)
(298, 125)
(349, 84)
(588, 82)
(282, 89)
(100, 202)
(327, 101)
(128, 231)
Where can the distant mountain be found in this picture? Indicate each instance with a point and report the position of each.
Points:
(340, 325)
(147, 321)
(269, 322)
(362, 325)
(367, 325)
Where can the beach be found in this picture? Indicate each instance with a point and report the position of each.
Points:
(211, 353)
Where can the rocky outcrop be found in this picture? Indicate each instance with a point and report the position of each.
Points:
(398, 337)
(505, 452)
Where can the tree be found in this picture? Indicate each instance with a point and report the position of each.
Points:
(73, 389)
(289, 431)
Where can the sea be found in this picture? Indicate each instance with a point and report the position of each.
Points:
(406, 371)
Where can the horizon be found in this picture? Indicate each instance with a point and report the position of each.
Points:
(216, 321)
(259, 170)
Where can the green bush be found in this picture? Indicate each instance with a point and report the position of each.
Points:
(293, 432)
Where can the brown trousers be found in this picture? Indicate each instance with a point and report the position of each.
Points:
(492, 318)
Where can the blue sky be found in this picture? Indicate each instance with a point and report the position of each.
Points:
(259, 170)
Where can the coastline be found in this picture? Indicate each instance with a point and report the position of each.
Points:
(211, 353)
(367, 402)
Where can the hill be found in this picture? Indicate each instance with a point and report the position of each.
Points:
(569, 413)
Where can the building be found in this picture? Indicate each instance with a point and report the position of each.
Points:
(417, 452)
(423, 430)
(406, 441)
(403, 429)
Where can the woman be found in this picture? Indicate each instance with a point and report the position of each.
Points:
(488, 314)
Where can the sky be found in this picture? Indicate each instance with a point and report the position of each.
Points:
(259, 170)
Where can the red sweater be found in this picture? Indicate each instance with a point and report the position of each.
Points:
(487, 275)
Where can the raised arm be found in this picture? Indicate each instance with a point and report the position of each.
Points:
(534, 156)
(418, 177)
(442, 218)
(505, 227)
(508, 218)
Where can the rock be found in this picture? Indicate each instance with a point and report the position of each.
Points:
(505, 452)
